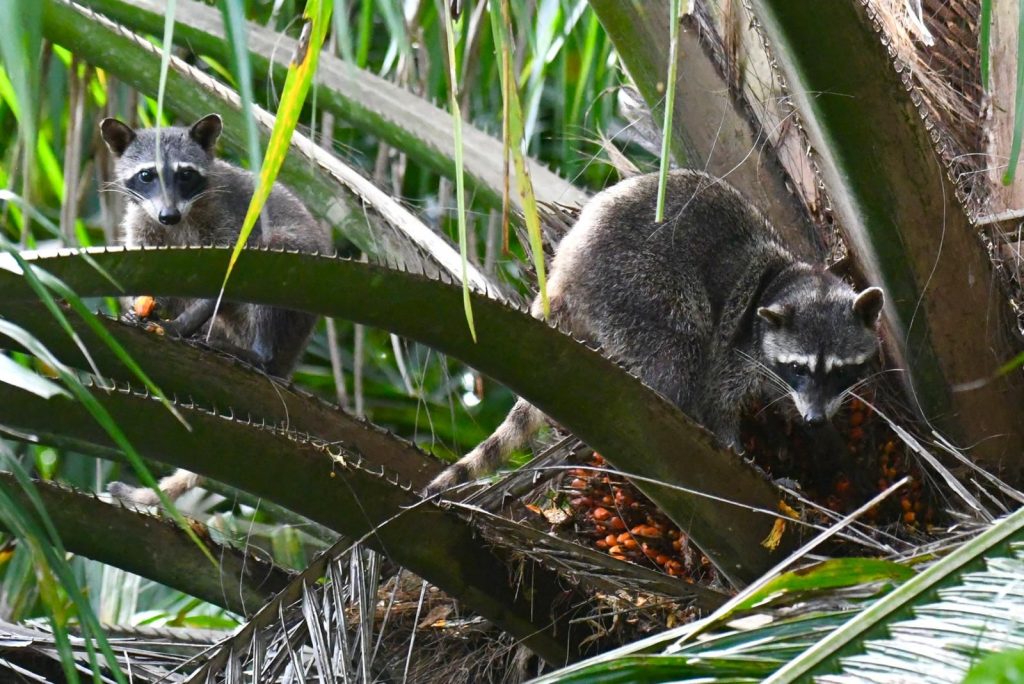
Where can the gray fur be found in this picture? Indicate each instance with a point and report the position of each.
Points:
(196, 199)
(708, 308)
(212, 214)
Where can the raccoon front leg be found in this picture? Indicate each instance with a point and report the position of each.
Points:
(172, 486)
(195, 315)
(519, 425)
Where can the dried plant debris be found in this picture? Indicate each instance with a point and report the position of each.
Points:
(1004, 238)
(934, 43)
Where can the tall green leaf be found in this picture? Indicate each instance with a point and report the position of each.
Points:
(21, 24)
(674, 18)
(460, 181)
(237, 36)
(1018, 104)
(985, 40)
(166, 47)
(935, 622)
(501, 27)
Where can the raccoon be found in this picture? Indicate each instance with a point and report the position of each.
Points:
(708, 307)
(193, 198)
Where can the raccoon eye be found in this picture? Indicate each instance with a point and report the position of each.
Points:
(186, 175)
(147, 175)
(798, 369)
(848, 374)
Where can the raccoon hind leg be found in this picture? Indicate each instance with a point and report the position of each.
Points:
(269, 338)
(519, 425)
(280, 337)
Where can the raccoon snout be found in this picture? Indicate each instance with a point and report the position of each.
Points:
(169, 216)
(815, 418)
(813, 412)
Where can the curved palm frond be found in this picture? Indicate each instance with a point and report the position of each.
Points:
(658, 444)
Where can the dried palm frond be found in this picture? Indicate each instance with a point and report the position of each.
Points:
(582, 564)
(936, 43)
(29, 651)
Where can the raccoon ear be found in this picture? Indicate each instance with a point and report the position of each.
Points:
(868, 305)
(206, 131)
(117, 135)
(776, 316)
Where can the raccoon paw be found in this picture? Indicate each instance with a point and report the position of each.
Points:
(787, 483)
(151, 326)
(139, 496)
(450, 477)
(166, 328)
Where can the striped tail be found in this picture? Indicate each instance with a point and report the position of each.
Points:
(519, 425)
(173, 486)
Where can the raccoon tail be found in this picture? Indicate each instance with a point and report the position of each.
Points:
(173, 486)
(519, 425)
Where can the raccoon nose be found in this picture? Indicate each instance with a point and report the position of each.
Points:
(815, 418)
(169, 216)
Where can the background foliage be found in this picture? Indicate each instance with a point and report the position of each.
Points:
(261, 550)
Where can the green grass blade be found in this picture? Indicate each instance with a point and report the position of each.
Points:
(365, 34)
(21, 24)
(548, 22)
(848, 638)
(13, 373)
(317, 16)
(36, 529)
(985, 39)
(501, 26)
(586, 67)
(32, 276)
(343, 31)
(235, 25)
(60, 638)
(460, 184)
(1018, 105)
(165, 62)
(1011, 365)
(670, 100)
(397, 30)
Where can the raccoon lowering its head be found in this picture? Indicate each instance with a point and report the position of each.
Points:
(182, 196)
(707, 307)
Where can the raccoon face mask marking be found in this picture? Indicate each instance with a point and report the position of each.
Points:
(819, 337)
(166, 193)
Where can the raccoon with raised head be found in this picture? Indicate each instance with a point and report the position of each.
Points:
(708, 307)
(193, 198)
